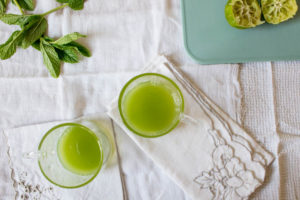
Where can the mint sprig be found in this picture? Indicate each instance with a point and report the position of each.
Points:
(68, 51)
(33, 33)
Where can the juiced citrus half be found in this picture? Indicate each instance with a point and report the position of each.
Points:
(243, 13)
(276, 11)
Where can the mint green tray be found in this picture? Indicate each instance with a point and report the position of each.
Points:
(209, 39)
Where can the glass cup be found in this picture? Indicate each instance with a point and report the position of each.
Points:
(51, 153)
(151, 105)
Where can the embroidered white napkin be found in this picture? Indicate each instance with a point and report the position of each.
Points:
(29, 181)
(211, 159)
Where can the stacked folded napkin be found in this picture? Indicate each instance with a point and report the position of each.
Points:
(29, 182)
(212, 158)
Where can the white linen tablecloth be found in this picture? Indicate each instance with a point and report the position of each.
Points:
(123, 36)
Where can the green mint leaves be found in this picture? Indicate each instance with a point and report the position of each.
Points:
(74, 4)
(50, 58)
(33, 27)
(13, 19)
(81, 49)
(67, 54)
(2, 6)
(67, 51)
(33, 33)
(68, 38)
(54, 53)
(25, 4)
(10, 46)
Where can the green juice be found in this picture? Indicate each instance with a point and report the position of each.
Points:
(151, 108)
(79, 151)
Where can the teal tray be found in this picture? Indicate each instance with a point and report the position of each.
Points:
(209, 39)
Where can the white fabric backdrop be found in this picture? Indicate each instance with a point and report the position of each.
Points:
(123, 37)
(270, 110)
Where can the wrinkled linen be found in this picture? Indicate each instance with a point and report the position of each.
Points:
(123, 36)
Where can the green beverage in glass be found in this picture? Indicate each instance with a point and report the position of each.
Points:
(72, 154)
(151, 105)
(79, 150)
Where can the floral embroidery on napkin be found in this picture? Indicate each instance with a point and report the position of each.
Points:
(229, 178)
(28, 191)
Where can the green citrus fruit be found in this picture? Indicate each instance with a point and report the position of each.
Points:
(243, 13)
(276, 11)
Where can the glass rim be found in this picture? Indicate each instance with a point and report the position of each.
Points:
(122, 95)
(101, 151)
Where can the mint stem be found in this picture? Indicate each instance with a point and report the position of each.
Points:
(19, 7)
(55, 9)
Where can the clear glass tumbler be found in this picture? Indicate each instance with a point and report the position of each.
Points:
(72, 154)
(151, 105)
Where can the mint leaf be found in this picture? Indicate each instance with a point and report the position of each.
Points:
(76, 4)
(26, 4)
(10, 46)
(50, 57)
(36, 44)
(83, 50)
(48, 39)
(29, 21)
(2, 6)
(21, 20)
(68, 38)
(13, 19)
(33, 28)
(67, 54)
(34, 32)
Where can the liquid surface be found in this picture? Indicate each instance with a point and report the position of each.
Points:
(79, 151)
(150, 108)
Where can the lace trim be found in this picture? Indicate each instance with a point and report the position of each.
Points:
(24, 189)
(229, 178)
(29, 191)
(203, 102)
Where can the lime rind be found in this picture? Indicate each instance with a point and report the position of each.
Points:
(243, 13)
(277, 11)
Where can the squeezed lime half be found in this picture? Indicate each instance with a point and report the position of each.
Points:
(276, 11)
(243, 13)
